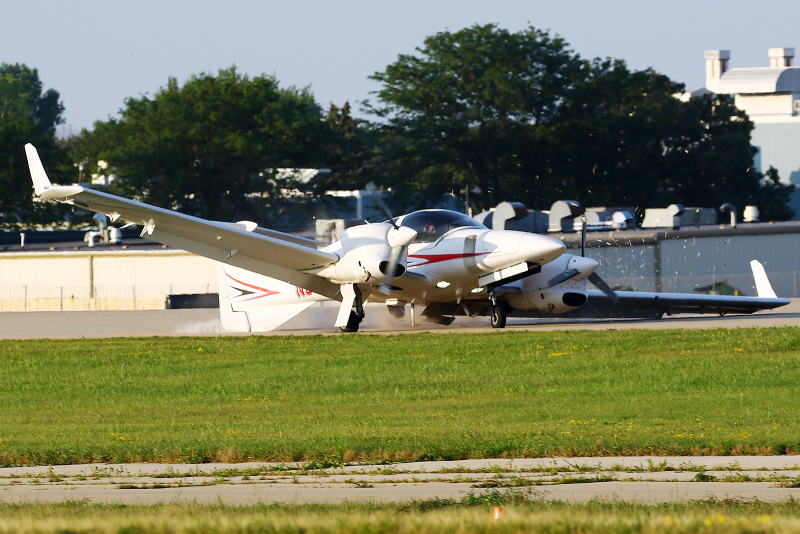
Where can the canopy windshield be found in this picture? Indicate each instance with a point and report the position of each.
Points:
(432, 224)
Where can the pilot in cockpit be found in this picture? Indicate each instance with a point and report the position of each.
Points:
(430, 231)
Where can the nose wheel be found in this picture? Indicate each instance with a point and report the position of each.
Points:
(498, 317)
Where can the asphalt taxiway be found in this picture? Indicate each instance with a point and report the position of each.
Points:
(647, 480)
(205, 322)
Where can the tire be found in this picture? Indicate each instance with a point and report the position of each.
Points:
(352, 323)
(498, 317)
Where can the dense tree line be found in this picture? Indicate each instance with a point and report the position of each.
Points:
(511, 116)
(28, 114)
(521, 117)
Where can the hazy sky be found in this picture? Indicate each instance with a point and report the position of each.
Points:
(97, 53)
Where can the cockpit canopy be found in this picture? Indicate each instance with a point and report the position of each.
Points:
(433, 224)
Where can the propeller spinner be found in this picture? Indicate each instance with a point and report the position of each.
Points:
(398, 237)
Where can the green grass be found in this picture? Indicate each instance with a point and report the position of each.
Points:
(423, 396)
(472, 514)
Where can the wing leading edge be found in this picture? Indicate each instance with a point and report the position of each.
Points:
(230, 244)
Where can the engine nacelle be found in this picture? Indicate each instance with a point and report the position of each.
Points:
(366, 254)
(554, 300)
(566, 296)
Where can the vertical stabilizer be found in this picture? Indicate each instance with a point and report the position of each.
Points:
(40, 180)
(763, 287)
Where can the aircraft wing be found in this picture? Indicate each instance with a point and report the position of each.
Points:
(230, 244)
(635, 304)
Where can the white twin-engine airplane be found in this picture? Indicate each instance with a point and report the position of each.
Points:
(443, 260)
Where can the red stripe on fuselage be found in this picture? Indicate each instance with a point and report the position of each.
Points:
(436, 258)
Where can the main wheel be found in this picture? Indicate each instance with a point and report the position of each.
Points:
(352, 323)
(498, 317)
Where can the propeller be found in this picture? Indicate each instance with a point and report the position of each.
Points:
(583, 235)
(371, 187)
(562, 277)
(594, 277)
(602, 286)
(570, 273)
(398, 238)
(583, 266)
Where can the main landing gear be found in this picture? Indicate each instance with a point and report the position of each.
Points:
(357, 315)
(352, 323)
(498, 315)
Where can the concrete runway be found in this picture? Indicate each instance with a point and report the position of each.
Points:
(205, 322)
(645, 480)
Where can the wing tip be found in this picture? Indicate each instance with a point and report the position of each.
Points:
(41, 182)
(763, 285)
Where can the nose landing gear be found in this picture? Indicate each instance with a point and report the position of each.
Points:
(498, 315)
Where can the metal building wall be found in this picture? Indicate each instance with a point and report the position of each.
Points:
(103, 279)
(684, 264)
(630, 267)
(690, 263)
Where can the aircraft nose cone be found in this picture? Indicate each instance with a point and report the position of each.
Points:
(541, 249)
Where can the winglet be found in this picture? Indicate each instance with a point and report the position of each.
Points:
(763, 287)
(40, 180)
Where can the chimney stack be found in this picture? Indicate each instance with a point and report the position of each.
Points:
(716, 65)
(780, 57)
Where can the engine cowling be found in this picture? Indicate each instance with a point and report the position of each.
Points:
(553, 301)
(537, 295)
(367, 252)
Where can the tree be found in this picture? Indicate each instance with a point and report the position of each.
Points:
(523, 118)
(461, 113)
(347, 151)
(21, 96)
(722, 164)
(211, 146)
(27, 115)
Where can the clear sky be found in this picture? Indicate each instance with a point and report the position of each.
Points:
(97, 53)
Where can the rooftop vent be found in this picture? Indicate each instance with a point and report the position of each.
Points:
(780, 57)
(716, 66)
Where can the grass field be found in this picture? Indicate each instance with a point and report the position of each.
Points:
(374, 398)
(469, 515)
